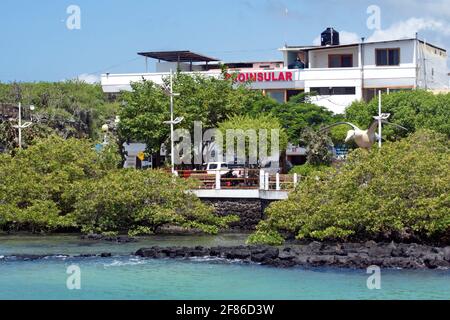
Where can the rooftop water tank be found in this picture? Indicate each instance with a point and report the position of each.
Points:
(330, 37)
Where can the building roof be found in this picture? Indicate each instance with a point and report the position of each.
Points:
(177, 56)
(308, 48)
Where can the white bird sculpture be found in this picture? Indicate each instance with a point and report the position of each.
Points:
(363, 138)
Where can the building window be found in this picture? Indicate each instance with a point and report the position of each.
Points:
(334, 91)
(277, 95)
(293, 93)
(387, 57)
(340, 61)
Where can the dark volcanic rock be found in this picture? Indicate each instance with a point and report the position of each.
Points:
(446, 252)
(353, 255)
(99, 237)
(92, 236)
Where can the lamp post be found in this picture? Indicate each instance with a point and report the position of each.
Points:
(21, 126)
(172, 121)
(381, 117)
(380, 123)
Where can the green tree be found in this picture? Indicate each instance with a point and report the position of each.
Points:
(35, 182)
(298, 115)
(68, 109)
(140, 203)
(400, 193)
(318, 147)
(204, 99)
(57, 184)
(413, 110)
(257, 124)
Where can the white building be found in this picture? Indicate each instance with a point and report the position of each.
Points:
(339, 74)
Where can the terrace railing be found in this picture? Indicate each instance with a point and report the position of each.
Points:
(245, 179)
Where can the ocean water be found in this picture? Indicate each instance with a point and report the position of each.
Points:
(124, 276)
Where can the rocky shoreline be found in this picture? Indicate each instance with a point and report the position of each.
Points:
(316, 254)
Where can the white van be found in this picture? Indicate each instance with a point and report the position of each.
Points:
(213, 167)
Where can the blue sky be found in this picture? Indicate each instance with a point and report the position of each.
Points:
(36, 44)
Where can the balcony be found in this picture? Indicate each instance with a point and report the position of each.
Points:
(291, 78)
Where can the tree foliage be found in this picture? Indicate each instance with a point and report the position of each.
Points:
(298, 115)
(318, 147)
(140, 202)
(263, 123)
(37, 179)
(68, 109)
(413, 110)
(204, 99)
(58, 184)
(401, 192)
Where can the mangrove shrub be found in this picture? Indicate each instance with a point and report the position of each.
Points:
(401, 192)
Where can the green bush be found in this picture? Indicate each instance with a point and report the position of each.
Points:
(413, 110)
(35, 181)
(262, 122)
(140, 202)
(58, 184)
(309, 170)
(401, 192)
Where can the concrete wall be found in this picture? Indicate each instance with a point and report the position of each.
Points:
(406, 52)
(432, 68)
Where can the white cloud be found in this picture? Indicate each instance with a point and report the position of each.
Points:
(408, 29)
(89, 78)
(349, 37)
(425, 7)
(399, 30)
(345, 37)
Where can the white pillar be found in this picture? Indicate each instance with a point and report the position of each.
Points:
(295, 180)
(278, 182)
(218, 187)
(261, 179)
(266, 178)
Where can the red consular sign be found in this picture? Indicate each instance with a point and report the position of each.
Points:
(261, 76)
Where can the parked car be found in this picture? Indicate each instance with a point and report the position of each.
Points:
(231, 170)
(213, 167)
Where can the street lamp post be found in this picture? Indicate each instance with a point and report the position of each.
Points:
(172, 121)
(380, 123)
(382, 117)
(21, 126)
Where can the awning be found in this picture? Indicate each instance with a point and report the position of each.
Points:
(177, 56)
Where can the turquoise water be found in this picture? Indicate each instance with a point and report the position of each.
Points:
(127, 277)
